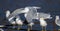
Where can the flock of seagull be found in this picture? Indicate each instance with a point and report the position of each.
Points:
(30, 13)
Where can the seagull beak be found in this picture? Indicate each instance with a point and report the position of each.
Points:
(37, 7)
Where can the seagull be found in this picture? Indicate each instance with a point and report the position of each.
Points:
(10, 19)
(30, 15)
(42, 17)
(57, 21)
(30, 25)
(43, 23)
(7, 15)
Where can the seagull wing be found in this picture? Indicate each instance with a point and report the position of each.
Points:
(16, 12)
(44, 15)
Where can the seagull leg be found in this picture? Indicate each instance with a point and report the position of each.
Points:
(31, 27)
(28, 28)
(42, 28)
(19, 27)
(45, 28)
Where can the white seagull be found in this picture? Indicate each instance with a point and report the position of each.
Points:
(42, 17)
(30, 15)
(57, 21)
(10, 19)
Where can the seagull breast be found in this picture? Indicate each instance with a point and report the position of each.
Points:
(43, 22)
(18, 21)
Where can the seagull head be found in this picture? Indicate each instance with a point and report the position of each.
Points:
(7, 13)
(57, 17)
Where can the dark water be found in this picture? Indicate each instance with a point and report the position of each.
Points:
(47, 6)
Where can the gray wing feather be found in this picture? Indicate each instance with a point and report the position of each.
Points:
(16, 12)
(44, 15)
